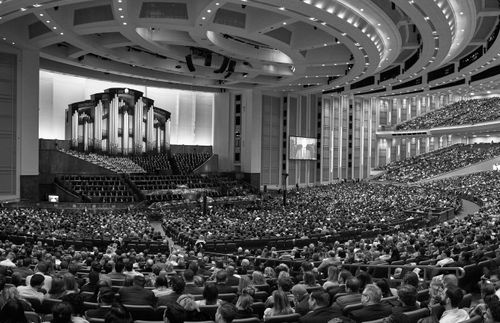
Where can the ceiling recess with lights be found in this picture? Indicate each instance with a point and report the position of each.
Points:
(365, 47)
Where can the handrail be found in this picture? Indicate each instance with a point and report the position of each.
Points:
(459, 271)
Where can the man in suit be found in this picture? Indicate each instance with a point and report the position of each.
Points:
(105, 298)
(137, 294)
(221, 282)
(352, 297)
(407, 295)
(191, 287)
(232, 280)
(372, 309)
(319, 302)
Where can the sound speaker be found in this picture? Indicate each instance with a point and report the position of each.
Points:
(208, 59)
(223, 67)
(189, 62)
(232, 64)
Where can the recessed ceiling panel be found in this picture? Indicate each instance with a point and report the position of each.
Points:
(230, 18)
(165, 10)
(92, 14)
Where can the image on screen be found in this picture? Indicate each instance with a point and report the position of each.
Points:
(303, 148)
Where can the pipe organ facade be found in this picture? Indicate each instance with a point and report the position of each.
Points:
(118, 121)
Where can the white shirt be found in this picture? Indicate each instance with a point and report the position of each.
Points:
(454, 315)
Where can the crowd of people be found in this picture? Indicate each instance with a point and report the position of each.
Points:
(116, 225)
(187, 162)
(424, 166)
(321, 285)
(326, 210)
(464, 112)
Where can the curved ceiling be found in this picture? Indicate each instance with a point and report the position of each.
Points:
(372, 47)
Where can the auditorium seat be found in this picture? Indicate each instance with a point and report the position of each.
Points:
(142, 312)
(32, 317)
(414, 316)
(289, 318)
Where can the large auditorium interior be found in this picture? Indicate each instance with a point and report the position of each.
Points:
(249, 161)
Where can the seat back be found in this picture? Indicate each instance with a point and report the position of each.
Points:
(32, 317)
(474, 319)
(209, 310)
(289, 318)
(247, 320)
(142, 312)
(466, 301)
(414, 316)
(259, 308)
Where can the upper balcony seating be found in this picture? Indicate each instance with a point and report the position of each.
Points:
(455, 114)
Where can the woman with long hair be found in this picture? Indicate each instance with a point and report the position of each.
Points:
(281, 305)
(13, 312)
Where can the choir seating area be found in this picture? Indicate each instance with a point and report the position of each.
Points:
(99, 188)
(175, 187)
(117, 164)
(187, 162)
(153, 163)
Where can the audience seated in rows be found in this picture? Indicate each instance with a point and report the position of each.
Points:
(441, 161)
(464, 112)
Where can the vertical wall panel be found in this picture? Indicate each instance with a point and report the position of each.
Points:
(8, 81)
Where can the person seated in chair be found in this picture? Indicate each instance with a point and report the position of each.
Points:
(105, 298)
(373, 308)
(407, 295)
(453, 314)
(137, 294)
(321, 312)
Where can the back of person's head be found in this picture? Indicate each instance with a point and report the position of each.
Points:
(61, 313)
(221, 276)
(187, 302)
(364, 279)
(177, 284)
(43, 267)
(161, 281)
(411, 278)
(373, 292)
(139, 281)
(193, 265)
(407, 294)
(493, 304)
(230, 270)
(188, 275)
(353, 284)
(93, 277)
(285, 284)
(309, 278)
(108, 267)
(450, 280)
(345, 275)
(455, 295)
(118, 314)
(13, 312)
(119, 265)
(57, 287)
(245, 301)
(73, 268)
(226, 313)
(210, 293)
(36, 280)
(383, 284)
(106, 295)
(280, 301)
(129, 266)
(321, 298)
(70, 283)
